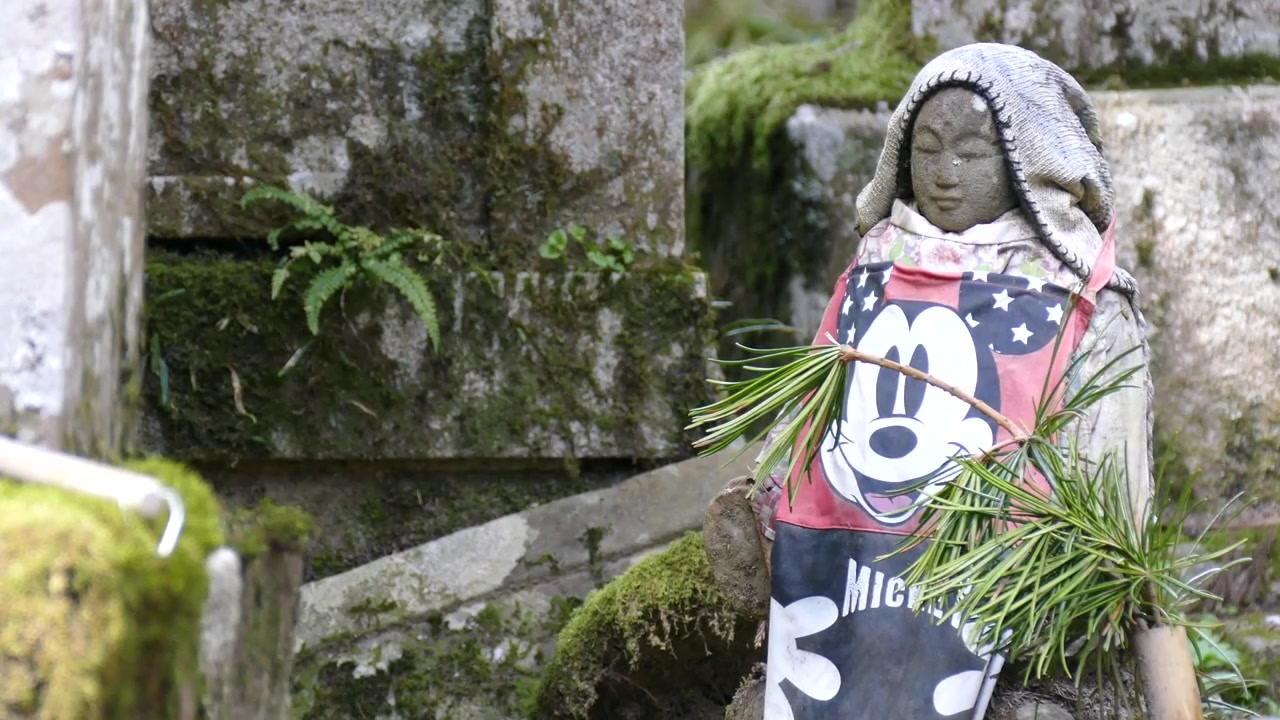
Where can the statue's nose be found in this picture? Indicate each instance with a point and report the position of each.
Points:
(893, 442)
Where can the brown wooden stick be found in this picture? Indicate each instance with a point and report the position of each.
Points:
(848, 353)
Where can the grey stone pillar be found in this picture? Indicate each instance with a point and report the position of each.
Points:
(73, 121)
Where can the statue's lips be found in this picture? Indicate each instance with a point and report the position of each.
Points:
(947, 203)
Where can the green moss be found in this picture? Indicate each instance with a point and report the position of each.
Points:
(96, 625)
(736, 106)
(269, 526)
(662, 623)
(225, 344)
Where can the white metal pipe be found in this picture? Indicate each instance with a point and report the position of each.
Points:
(130, 490)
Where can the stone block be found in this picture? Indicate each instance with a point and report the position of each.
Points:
(542, 545)
(1127, 37)
(488, 122)
(1196, 173)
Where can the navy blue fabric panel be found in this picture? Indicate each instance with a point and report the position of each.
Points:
(892, 662)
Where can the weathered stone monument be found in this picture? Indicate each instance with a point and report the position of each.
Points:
(494, 125)
(1172, 83)
(499, 127)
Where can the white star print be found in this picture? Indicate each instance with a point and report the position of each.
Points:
(869, 302)
(809, 672)
(1022, 334)
(969, 319)
(1036, 284)
(887, 272)
(848, 303)
(980, 275)
(1002, 299)
(1055, 314)
(862, 279)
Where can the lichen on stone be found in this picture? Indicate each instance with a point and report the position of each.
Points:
(97, 626)
(660, 630)
(443, 668)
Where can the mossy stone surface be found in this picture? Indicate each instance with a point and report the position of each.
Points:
(1123, 43)
(491, 123)
(96, 624)
(455, 668)
(364, 510)
(552, 365)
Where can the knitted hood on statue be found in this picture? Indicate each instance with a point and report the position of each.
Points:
(1049, 131)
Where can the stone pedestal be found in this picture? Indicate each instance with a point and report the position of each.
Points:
(73, 124)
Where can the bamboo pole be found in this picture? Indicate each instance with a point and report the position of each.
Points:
(1167, 672)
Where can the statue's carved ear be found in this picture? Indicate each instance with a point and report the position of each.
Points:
(1009, 317)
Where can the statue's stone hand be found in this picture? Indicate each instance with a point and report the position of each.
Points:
(738, 549)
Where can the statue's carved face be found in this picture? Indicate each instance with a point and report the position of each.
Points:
(958, 171)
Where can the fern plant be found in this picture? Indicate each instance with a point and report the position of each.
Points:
(350, 254)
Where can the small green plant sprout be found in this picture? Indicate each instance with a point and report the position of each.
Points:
(349, 254)
(612, 254)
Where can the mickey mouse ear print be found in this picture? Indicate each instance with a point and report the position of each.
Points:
(131, 491)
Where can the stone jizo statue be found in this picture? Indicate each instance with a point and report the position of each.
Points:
(989, 211)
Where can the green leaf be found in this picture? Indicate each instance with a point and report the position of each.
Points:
(578, 232)
(161, 369)
(324, 285)
(554, 247)
(278, 279)
(414, 289)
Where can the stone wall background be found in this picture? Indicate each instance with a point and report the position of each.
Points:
(489, 123)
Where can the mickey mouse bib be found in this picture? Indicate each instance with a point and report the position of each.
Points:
(844, 640)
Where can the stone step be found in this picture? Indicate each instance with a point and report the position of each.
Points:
(530, 549)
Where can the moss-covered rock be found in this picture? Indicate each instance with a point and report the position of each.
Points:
(657, 642)
(96, 624)
(554, 365)
(756, 219)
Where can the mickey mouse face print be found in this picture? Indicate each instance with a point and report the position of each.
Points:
(898, 436)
